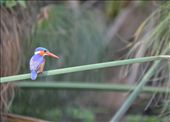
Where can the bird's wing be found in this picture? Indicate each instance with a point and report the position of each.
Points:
(41, 67)
(35, 63)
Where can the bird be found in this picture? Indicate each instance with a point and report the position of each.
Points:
(37, 61)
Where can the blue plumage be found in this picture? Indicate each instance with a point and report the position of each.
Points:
(40, 48)
(33, 74)
(35, 63)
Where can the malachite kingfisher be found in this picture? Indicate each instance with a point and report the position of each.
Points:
(37, 61)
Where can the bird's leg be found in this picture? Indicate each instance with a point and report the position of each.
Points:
(41, 69)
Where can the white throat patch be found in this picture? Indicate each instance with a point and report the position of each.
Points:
(37, 52)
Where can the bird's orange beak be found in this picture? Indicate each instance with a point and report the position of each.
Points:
(52, 55)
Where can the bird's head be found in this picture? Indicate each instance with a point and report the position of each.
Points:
(43, 52)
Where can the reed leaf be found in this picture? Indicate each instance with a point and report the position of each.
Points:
(85, 67)
(60, 85)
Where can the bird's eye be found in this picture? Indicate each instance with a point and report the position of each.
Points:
(45, 50)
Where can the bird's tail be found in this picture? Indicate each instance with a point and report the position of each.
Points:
(33, 75)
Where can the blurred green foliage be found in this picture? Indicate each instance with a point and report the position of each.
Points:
(113, 7)
(77, 38)
(12, 3)
(140, 118)
(49, 106)
(145, 118)
(81, 114)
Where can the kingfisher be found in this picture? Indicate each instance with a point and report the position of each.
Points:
(37, 61)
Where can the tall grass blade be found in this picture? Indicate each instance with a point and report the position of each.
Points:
(84, 68)
(86, 86)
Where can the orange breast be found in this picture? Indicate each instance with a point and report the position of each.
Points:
(42, 53)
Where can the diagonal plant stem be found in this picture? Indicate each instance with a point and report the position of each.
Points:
(134, 94)
(137, 90)
(84, 68)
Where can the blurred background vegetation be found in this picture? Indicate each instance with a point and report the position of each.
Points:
(85, 32)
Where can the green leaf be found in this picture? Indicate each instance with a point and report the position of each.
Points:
(10, 3)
